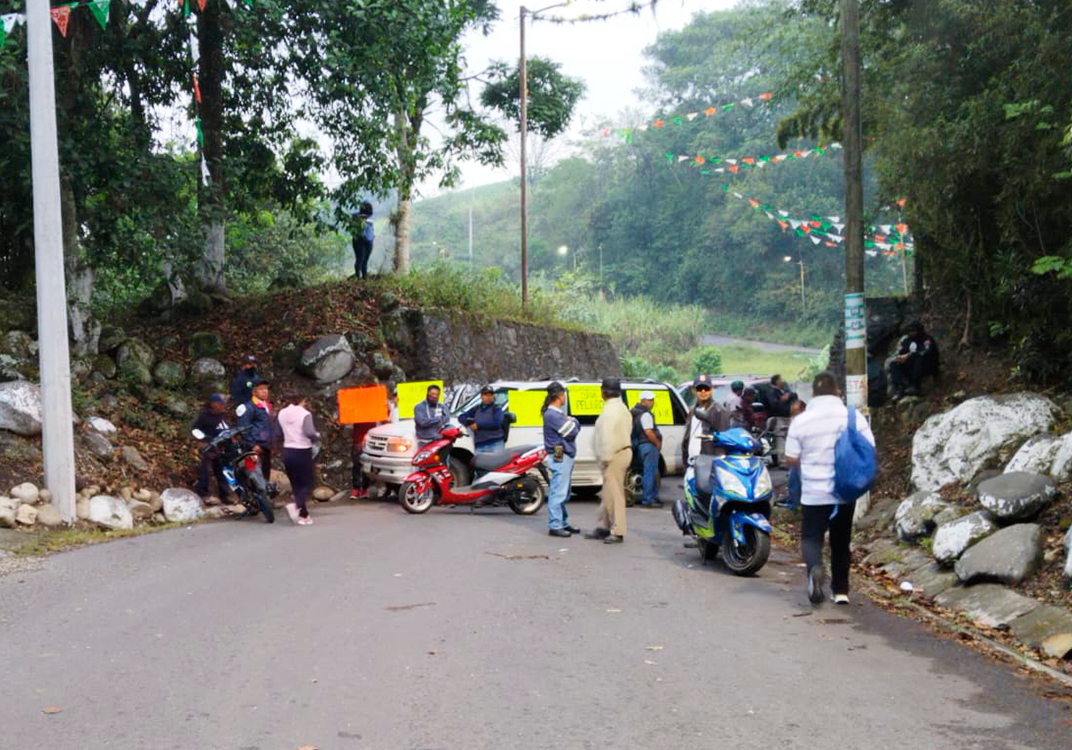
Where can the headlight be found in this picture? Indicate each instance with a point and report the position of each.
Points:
(422, 456)
(398, 445)
(731, 485)
(763, 484)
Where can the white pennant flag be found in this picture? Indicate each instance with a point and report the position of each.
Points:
(204, 171)
(814, 240)
(738, 195)
(886, 228)
(731, 161)
(692, 116)
(782, 157)
(835, 146)
(720, 169)
(872, 253)
(804, 154)
(883, 245)
(838, 227)
(11, 20)
(769, 214)
(794, 223)
(747, 102)
(642, 127)
(784, 214)
(836, 238)
(834, 219)
(682, 158)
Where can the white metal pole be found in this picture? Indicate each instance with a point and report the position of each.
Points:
(57, 436)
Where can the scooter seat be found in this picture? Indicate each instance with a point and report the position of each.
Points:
(492, 461)
(702, 469)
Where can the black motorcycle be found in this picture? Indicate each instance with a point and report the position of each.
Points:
(242, 469)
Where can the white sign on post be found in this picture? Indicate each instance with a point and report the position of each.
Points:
(855, 322)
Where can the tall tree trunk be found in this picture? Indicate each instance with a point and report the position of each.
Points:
(400, 218)
(208, 268)
(83, 329)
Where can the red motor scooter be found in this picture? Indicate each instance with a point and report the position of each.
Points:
(509, 478)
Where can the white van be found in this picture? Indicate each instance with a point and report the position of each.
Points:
(389, 449)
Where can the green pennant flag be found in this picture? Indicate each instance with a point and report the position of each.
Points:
(200, 135)
(816, 217)
(3, 35)
(704, 171)
(907, 253)
(99, 9)
(725, 188)
(185, 8)
(727, 107)
(869, 244)
(669, 158)
(677, 120)
(248, 2)
(764, 158)
(799, 232)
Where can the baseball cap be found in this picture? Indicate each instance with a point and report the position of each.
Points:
(261, 381)
(218, 398)
(612, 385)
(487, 389)
(646, 396)
(701, 380)
(250, 359)
(736, 385)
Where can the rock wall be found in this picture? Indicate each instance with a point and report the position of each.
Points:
(465, 348)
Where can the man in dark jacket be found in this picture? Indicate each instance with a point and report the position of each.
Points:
(916, 357)
(257, 413)
(363, 237)
(703, 419)
(647, 441)
(430, 417)
(242, 385)
(211, 422)
(486, 421)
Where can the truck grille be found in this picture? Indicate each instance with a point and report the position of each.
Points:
(376, 443)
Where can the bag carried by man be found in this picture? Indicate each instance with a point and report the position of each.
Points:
(854, 462)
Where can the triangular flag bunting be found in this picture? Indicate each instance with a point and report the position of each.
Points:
(902, 228)
(795, 224)
(200, 135)
(815, 240)
(721, 169)
(60, 15)
(738, 195)
(764, 97)
(197, 90)
(692, 116)
(782, 224)
(901, 202)
(205, 176)
(185, 8)
(201, 5)
(834, 219)
(871, 253)
(731, 161)
(709, 111)
(838, 227)
(682, 158)
(733, 169)
(747, 102)
(784, 213)
(99, 9)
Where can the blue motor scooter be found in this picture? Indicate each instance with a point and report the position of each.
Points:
(727, 503)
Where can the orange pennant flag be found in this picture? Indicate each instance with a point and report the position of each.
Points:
(804, 226)
(902, 202)
(733, 168)
(657, 124)
(828, 243)
(899, 246)
(782, 224)
(774, 160)
(880, 238)
(901, 228)
(764, 97)
(201, 5)
(60, 15)
(749, 160)
(699, 160)
(709, 111)
(197, 90)
(815, 224)
(752, 203)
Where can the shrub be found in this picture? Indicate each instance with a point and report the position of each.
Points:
(708, 361)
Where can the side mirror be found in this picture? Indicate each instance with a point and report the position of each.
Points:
(199, 435)
(509, 417)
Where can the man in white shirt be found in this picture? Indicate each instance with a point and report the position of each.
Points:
(810, 445)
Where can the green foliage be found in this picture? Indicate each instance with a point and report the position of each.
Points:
(816, 364)
(708, 360)
(551, 95)
(637, 368)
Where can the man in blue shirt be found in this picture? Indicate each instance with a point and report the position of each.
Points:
(242, 385)
(560, 441)
(486, 421)
(430, 417)
(363, 237)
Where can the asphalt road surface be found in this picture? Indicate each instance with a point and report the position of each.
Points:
(451, 631)
(714, 339)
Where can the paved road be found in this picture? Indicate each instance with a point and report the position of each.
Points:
(713, 339)
(373, 629)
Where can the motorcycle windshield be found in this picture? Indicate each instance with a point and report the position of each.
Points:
(736, 440)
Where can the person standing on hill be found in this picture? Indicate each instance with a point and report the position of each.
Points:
(299, 437)
(614, 453)
(363, 237)
(242, 385)
(560, 441)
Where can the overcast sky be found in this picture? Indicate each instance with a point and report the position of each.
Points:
(607, 55)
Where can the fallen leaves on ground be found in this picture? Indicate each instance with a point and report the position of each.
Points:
(401, 607)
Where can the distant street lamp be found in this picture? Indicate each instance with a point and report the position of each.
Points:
(563, 250)
(803, 304)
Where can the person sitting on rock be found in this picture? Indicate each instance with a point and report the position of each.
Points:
(211, 421)
(917, 357)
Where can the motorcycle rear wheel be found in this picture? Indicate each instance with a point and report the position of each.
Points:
(414, 501)
(746, 559)
(535, 491)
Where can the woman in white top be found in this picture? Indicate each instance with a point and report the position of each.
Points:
(299, 435)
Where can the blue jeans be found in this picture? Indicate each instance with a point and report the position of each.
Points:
(561, 473)
(649, 455)
(493, 447)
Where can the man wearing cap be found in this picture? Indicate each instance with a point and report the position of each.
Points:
(560, 441)
(614, 452)
(257, 414)
(242, 385)
(430, 417)
(647, 440)
(486, 421)
(703, 419)
(211, 423)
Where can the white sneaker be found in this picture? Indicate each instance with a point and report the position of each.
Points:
(292, 511)
(305, 521)
(841, 598)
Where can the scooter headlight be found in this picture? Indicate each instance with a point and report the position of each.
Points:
(421, 457)
(730, 483)
(763, 484)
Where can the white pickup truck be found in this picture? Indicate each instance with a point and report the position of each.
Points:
(389, 449)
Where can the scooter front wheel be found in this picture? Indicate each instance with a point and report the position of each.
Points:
(745, 559)
(413, 500)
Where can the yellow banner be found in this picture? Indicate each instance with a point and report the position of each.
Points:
(663, 411)
(585, 400)
(411, 394)
(526, 407)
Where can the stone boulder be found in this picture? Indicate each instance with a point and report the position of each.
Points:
(26, 492)
(207, 370)
(20, 408)
(1068, 551)
(81, 508)
(132, 457)
(49, 516)
(205, 344)
(953, 446)
(19, 345)
(181, 505)
(382, 366)
(140, 511)
(1008, 556)
(9, 369)
(26, 515)
(328, 359)
(1036, 455)
(105, 365)
(323, 494)
(281, 481)
(917, 515)
(101, 425)
(1061, 468)
(98, 445)
(951, 539)
(133, 371)
(7, 517)
(109, 512)
(110, 338)
(169, 374)
(1016, 496)
(135, 349)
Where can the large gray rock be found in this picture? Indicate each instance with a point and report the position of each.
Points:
(916, 515)
(169, 374)
(207, 370)
(105, 365)
(101, 425)
(141, 511)
(1016, 496)
(1008, 556)
(135, 349)
(1041, 624)
(951, 539)
(20, 408)
(9, 369)
(987, 603)
(109, 512)
(953, 446)
(98, 445)
(19, 345)
(7, 517)
(1068, 551)
(1061, 468)
(26, 492)
(134, 371)
(132, 457)
(26, 515)
(328, 359)
(181, 505)
(110, 338)
(49, 516)
(1036, 455)
(932, 579)
(205, 344)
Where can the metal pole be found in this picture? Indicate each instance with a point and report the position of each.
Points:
(522, 125)
(855, 317)
(803, 304)
(904, 272)
(470, 232)
(57, 438)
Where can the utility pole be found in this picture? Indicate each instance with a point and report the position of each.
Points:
(855, 317)
(57, 437)
(523, 75)
(803, 304)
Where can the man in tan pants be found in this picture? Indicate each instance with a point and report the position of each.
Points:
(614, 430)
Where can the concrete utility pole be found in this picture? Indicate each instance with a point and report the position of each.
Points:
(58, 436)
(523, 75)
(855, 317)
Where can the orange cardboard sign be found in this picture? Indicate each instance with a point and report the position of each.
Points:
(365, 404)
